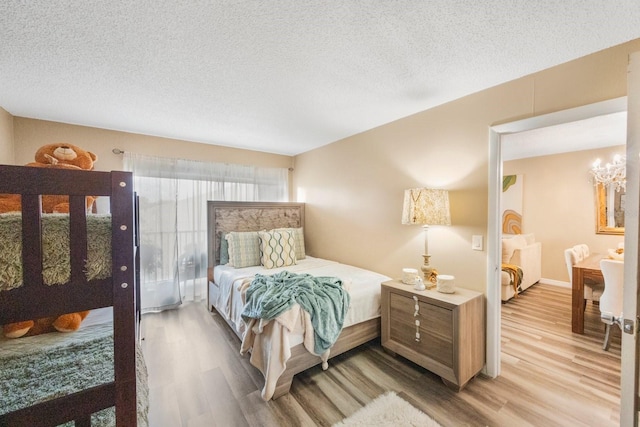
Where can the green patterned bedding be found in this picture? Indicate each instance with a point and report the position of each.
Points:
(55, 242)
(42, 367)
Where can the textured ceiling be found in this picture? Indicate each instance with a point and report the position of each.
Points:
(280, 76)
(606, 130)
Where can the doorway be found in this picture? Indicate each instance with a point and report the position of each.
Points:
(497, 134)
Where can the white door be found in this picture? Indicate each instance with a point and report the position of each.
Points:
(629, 370)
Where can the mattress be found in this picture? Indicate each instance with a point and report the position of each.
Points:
(363, 287)
(41, 367)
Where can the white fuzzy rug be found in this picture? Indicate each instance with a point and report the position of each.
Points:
(388, 410)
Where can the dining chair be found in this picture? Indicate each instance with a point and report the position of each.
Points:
(611, 299)
(573, 255)
(584, 248)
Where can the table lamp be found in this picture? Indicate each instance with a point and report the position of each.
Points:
(426, 206)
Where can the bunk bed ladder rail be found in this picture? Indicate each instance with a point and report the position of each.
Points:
(124, 296)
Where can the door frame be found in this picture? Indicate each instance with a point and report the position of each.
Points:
(631, 299)
(494, 303)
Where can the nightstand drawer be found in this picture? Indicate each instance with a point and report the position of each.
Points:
(434, 337)
(449, 337)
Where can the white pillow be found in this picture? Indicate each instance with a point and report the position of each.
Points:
(278, 248)
(510, 245)
(298, 234)
(244, 248)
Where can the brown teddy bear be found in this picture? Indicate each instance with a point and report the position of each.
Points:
(66, 323)
(59, 156)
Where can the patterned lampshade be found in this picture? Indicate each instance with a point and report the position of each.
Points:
(426, 206)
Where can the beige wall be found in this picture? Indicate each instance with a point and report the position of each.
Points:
(7, 156)
(354, 187)
(30, 134)
(559, 205)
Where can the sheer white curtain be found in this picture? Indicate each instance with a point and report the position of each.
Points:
(173, 196)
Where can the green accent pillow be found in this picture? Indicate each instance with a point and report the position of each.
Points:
(244, 248)
(224, 249)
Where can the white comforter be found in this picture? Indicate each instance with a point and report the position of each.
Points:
(271, 341)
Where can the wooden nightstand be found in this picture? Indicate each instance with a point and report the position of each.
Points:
(443, 333)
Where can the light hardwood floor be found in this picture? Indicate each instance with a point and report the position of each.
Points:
(550, 377)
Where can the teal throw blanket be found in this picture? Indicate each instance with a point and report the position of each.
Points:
(322, 297)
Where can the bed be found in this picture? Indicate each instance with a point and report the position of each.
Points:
(281, 349)
(107, 339)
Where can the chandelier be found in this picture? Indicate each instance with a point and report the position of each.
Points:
(614, 174)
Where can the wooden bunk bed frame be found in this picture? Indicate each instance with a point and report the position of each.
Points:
(223, 217)
(35, 300)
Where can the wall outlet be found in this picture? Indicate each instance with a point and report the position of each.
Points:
(476, 243)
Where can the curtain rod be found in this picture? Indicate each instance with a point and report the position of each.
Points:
(119, 151)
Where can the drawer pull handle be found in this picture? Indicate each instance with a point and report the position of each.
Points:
(417, 331)
(417, 336)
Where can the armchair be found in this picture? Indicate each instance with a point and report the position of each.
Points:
(521, 250)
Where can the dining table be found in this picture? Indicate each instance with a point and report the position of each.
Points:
(587, 270)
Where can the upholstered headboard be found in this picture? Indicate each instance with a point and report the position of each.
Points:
(223, 217)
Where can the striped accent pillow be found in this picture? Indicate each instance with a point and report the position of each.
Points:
(298, 234)
(244, 248)
(278, 248)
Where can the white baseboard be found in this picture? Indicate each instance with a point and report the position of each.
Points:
(553, 282)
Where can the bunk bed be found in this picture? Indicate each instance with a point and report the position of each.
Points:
(279, 351)
(110, 296)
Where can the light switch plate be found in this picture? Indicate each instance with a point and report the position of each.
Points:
(476, 242)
